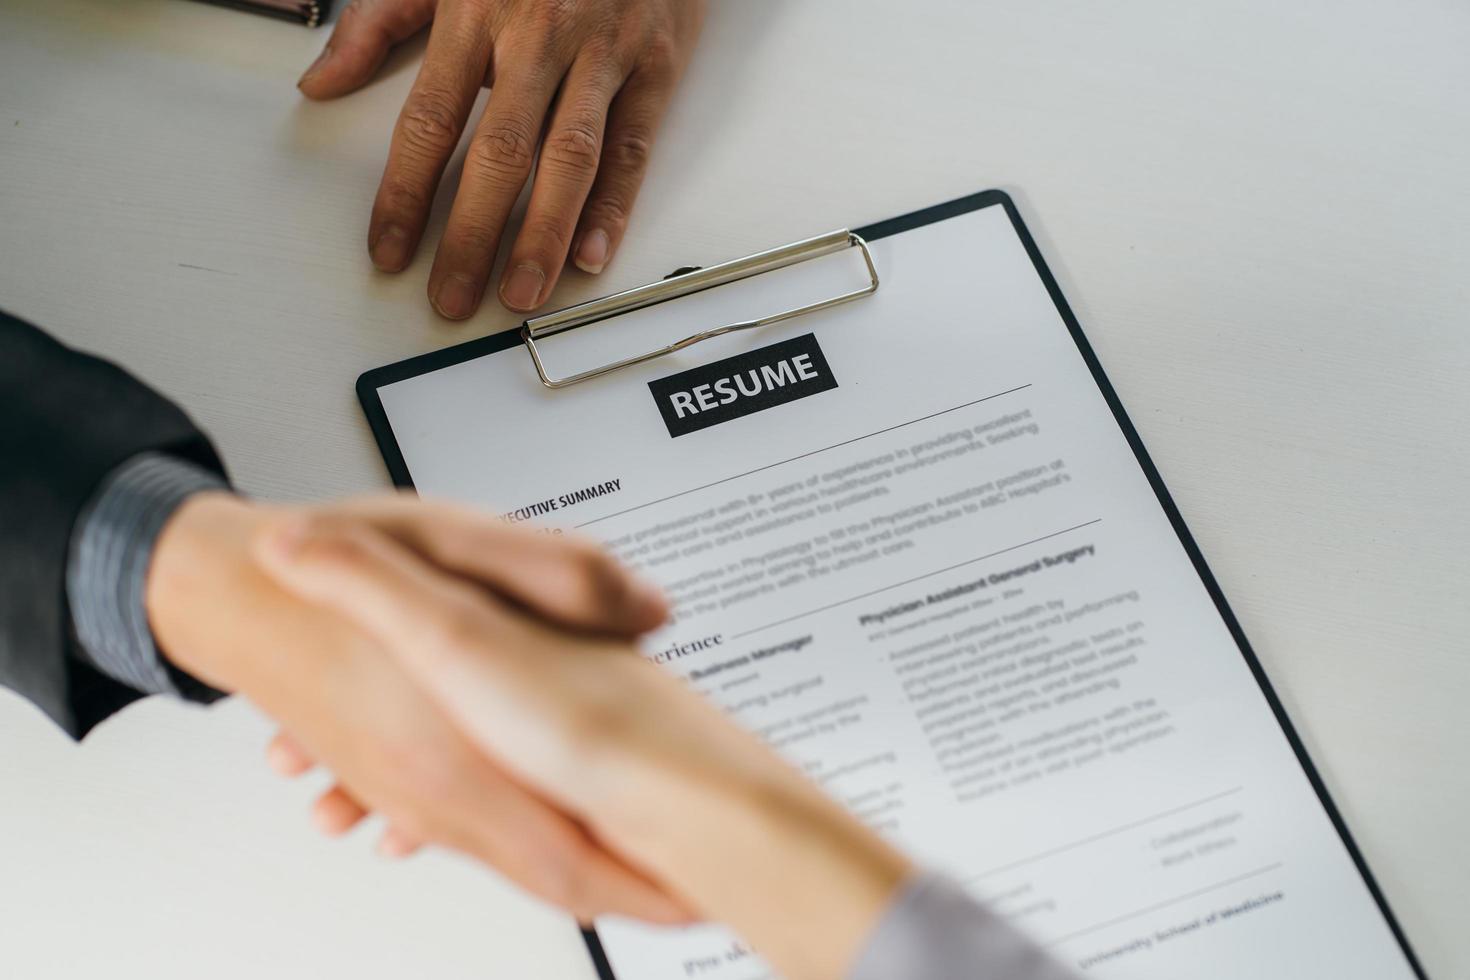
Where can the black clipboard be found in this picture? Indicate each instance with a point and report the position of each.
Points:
(372, 405)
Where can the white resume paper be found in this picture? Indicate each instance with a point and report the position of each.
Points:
(909, 543)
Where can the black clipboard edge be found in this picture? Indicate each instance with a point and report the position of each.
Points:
(1197, 558)
(369, 383)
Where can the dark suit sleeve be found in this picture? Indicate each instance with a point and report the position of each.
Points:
(66, 421)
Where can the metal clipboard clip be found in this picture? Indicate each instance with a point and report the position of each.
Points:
(541, 327)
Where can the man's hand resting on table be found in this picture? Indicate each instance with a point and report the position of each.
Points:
(347, 703)
(583, 82)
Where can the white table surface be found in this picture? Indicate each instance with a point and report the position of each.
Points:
(1259, 211)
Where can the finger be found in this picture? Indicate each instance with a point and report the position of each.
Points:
(335, 812)
(565, 578)
(484, 665)
(316, 557)
(565, 170)
(423, 618)
(360, 42)
(427, 132)
(554, 857)
(398, 844)
(589, 882)
(631, 126)
(495, 169)
(286, 756)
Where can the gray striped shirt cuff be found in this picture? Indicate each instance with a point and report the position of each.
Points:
(111, 547)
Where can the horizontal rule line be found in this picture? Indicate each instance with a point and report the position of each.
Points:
(1133, 825)
(916, 578)
(783, 462)
(1166, 903)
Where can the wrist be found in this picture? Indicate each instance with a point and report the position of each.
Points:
(796, 874)
(200, 557)
(740, 835)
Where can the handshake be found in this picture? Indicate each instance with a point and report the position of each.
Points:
(479, 687)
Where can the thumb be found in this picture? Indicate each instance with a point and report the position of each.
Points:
(365, 32)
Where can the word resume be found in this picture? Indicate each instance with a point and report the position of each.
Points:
(910, 542)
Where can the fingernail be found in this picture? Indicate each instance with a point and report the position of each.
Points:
(328, 819)
(592, 253)
(278, 758)
(316, 66)
(457, 296)
(390, 250)
(390, 845)
(523, 287)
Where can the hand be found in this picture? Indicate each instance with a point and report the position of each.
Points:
(217, 616)
(656, 773)
(584, 81)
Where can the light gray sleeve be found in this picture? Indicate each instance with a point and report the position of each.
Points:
(107, 571)
(935, 931)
